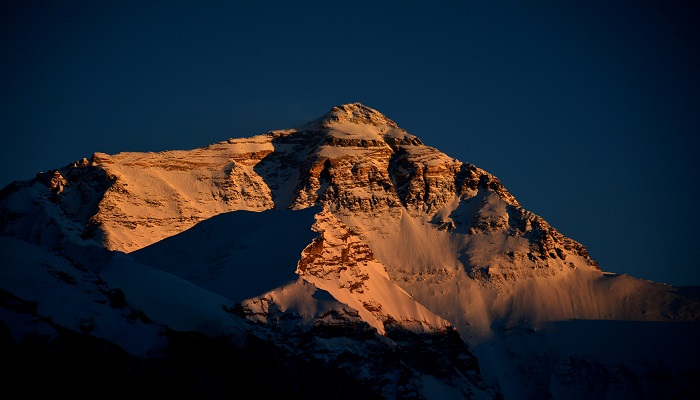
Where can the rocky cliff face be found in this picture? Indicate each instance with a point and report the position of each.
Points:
(411, 253)
(353, 160)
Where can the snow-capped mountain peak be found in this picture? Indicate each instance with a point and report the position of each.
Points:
(345, 243)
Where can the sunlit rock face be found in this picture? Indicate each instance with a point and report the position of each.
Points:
(353, 160)
(333, 244)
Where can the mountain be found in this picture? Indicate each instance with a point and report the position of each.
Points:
(339, 259)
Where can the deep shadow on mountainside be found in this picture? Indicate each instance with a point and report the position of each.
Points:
(193, 365)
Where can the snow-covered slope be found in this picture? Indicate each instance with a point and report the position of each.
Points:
(333, 241)
(75, 299)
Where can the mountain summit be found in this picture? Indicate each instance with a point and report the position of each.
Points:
(355, 113)
(343, 251)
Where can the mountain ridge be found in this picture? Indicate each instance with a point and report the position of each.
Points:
(343, 237)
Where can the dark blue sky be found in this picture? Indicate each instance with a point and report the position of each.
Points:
(587, 112)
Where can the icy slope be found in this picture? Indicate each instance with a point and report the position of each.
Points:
(75, 299)
(237, 255)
